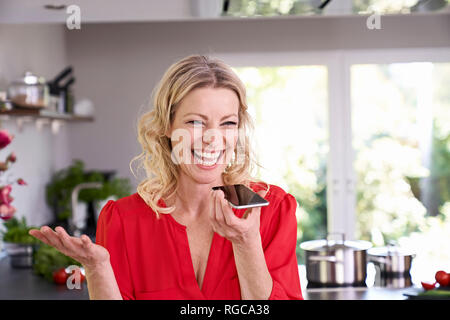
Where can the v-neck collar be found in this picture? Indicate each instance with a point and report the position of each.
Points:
(186, 253)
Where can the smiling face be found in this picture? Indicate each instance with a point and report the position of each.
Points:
(204, 133)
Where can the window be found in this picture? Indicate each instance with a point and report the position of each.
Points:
(289, 106)
(401, 135)
(362, 140)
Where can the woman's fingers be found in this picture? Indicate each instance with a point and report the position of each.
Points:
(86, 242)
(228, 214)
(81, 249)
(212, 211)
(71, 244)
(218, 208)
(39, 235)
(53, 238)
(58, 239)
(224, 219)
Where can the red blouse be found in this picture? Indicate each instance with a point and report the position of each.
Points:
(151, 257)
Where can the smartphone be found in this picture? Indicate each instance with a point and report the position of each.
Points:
(242, 197)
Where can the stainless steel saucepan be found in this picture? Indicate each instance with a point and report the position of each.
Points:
(336, 262)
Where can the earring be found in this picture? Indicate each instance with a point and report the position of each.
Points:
(233, 158)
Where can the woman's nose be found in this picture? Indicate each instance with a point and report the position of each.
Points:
(213, 138)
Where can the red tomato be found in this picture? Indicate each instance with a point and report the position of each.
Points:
(82, 278)
(60, 276)
(443, 278)
(428, 286)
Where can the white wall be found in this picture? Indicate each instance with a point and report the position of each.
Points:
(40, 49)
(118, 65)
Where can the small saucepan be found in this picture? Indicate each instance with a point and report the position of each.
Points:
(391, 259)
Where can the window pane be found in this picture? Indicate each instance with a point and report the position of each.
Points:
(401, 134)
(289, 107)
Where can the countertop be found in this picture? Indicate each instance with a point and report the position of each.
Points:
(372, 293)
(23, 284)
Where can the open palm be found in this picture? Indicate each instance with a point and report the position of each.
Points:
(81, 249)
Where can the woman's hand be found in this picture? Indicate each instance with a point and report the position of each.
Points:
(240, 231)
(82, 249)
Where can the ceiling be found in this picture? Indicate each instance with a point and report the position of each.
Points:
(94, 11)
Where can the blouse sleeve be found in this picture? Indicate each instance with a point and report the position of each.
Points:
(110, 235)
(280, 251)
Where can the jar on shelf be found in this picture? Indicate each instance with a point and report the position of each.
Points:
(30, 91)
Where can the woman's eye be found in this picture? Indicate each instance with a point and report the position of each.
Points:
(196, 122)
(232, 123)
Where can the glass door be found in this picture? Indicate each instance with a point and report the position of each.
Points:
(401, 138)
(289, 105)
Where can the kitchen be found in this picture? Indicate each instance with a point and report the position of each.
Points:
(368, 137)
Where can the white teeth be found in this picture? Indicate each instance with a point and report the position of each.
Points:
(206, 158)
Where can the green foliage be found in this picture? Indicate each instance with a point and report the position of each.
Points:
(244, 8)
(397, 196)
(440, 167)
(312, 200)
(17, 232)
(59, 189)
(47, 259)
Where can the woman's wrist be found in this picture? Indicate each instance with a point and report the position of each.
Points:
(249, 242)
(96, 267)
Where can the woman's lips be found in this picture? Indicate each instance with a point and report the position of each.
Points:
(207, 158)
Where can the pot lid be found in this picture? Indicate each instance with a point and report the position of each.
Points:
(389, 251)
(30, 79)
(327, 245)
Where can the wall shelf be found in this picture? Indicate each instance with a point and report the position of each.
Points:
(41, 117)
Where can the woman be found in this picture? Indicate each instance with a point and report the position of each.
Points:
(176, 238)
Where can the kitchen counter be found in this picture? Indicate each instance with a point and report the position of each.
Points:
(373, 293)
(23, 284)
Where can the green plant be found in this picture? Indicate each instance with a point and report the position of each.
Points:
(47, 259)
(312, 218)
(59, 189)
(17, 231)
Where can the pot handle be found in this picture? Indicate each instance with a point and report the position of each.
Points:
(323, 258)
(379, 260)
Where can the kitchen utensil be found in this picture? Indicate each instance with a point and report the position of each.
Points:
(55, 83)
(392, 265)
(336, 262)
(77, 222)
(84, 107)
(61, 100)
(30, 91)
(21, 255)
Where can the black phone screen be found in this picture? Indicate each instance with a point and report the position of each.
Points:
(241, 196)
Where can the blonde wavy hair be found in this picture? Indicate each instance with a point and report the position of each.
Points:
(192, 72)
